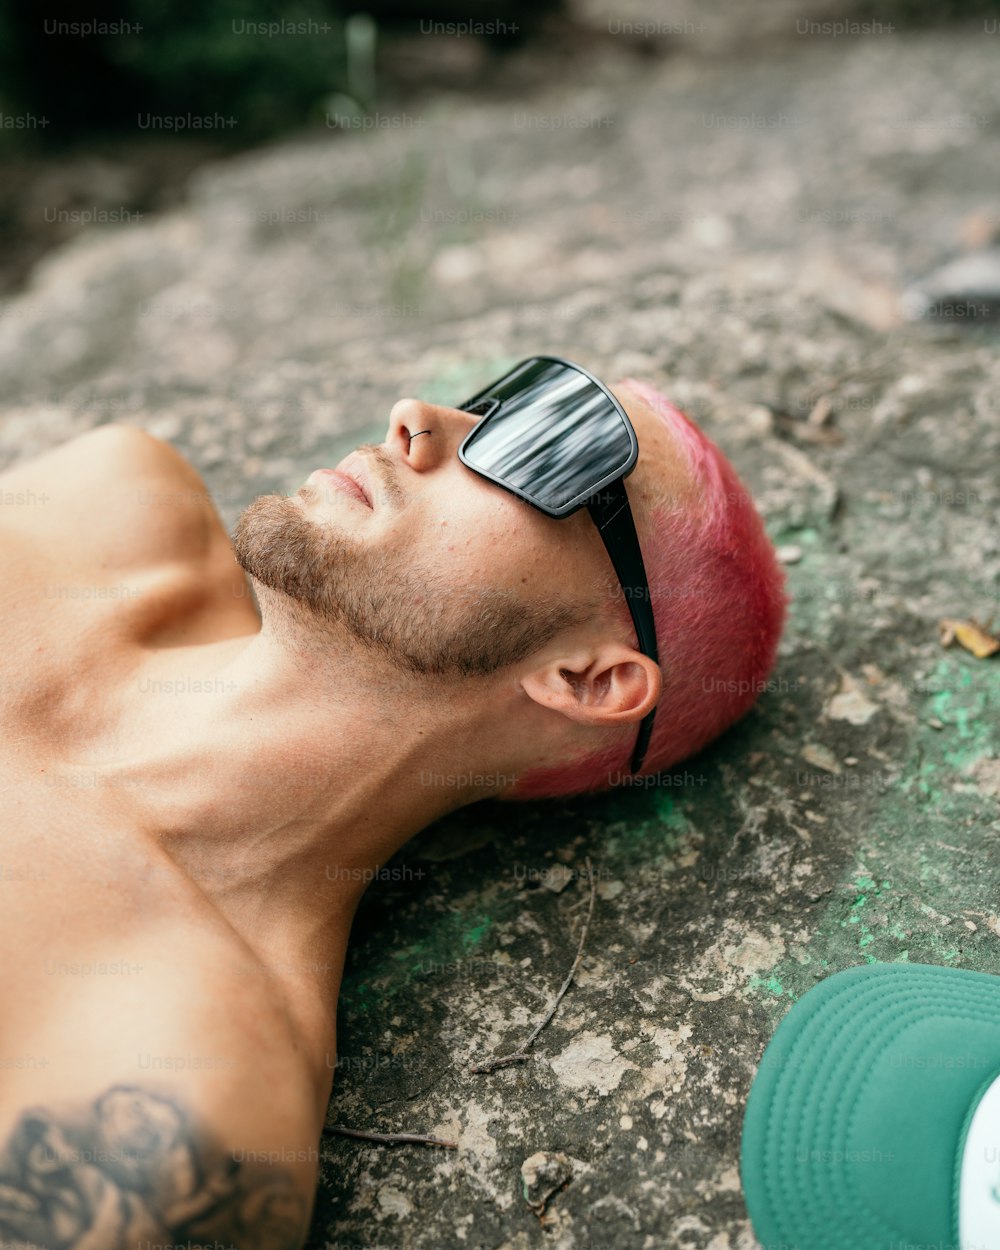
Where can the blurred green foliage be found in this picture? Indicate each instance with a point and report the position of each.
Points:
(916, 13)
(267, 65)
(270, 65)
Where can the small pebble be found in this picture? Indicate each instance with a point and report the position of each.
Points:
(760, 420)
(790, 554)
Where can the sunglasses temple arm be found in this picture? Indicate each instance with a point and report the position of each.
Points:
(612, 515)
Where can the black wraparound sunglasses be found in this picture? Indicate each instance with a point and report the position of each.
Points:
(554, 436)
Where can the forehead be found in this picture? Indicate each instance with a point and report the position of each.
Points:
(663, 472)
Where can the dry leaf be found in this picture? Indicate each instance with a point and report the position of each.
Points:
(970, 635)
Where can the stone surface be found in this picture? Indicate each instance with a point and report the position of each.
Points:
(754, 273)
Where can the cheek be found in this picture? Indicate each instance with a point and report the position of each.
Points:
(494, 539)
(488, 526)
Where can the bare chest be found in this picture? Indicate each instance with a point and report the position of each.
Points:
(101, 933)
(93, 915)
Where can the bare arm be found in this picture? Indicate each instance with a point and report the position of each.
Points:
(135, 1165)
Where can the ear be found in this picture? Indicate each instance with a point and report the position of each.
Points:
(607, 686)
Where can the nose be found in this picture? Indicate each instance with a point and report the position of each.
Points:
(424, 435)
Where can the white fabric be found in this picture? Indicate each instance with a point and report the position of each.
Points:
(979, 1187)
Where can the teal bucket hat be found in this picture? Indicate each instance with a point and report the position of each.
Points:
(873, 1122)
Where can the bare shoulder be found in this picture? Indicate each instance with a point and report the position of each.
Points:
(166, 1105)
(117, 492)
(146, 1162)
(110, 448)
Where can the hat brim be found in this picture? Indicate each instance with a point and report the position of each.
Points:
(856, 1118)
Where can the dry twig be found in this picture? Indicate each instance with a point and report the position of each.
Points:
(519, 1056)
(391, 1139)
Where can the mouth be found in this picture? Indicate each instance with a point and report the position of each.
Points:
(350, 479)
(353, 470)
(347, 485)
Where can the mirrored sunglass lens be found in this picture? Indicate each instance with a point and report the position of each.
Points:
(554, 436)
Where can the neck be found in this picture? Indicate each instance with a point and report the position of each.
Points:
(281, 776)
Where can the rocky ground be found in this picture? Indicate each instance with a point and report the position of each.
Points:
(739, 230)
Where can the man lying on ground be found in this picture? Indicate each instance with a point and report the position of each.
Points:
(200, 782)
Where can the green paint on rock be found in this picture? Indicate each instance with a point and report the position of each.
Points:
(773, 986)
(669, 812)
(476, 934)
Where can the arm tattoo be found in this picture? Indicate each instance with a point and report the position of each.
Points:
(126, 1173)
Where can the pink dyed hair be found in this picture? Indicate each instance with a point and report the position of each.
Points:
(719, 601)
